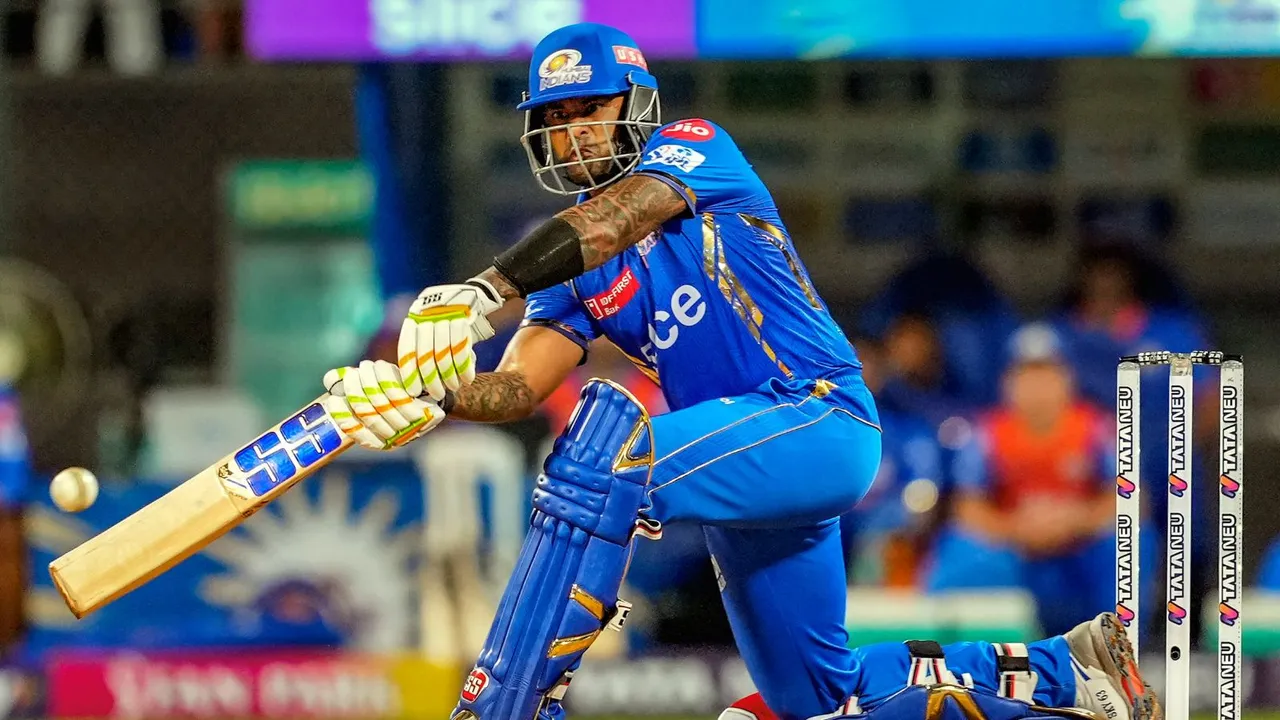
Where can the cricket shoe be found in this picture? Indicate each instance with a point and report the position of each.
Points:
(751, 707)
(1107, 678)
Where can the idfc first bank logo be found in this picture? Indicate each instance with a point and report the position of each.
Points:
(467, 27)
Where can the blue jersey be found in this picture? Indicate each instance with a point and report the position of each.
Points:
(716, 301)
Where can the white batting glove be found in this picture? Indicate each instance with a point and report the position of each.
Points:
(371, 405)
(437, 339)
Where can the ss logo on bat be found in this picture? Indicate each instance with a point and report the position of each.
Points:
(276, 456)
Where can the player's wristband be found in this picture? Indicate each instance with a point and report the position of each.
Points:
(449, 401)
(544, 258)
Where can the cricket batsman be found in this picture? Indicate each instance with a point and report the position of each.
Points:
(673, 251)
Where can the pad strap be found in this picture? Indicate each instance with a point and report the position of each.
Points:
(1017, 682)
(928, 664)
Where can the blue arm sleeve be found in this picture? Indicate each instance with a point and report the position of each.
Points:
(558, 308)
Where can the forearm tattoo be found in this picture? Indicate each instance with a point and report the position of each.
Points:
(622, 216)
(500, 283)
(494, 397)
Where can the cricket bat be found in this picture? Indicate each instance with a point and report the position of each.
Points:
(202, 509)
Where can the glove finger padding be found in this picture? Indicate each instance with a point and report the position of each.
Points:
(404, 408)
(365, 412)
(407, 358)
(342, 414)
(429, 360)
(463, 351)
(371, 383)
(332, 381)
(444, 356)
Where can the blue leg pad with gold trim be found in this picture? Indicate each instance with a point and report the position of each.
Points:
(564, 591)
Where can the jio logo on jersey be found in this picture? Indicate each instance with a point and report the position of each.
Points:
(692, 130)
(687, 309)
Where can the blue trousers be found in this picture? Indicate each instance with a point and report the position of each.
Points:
(767, 475)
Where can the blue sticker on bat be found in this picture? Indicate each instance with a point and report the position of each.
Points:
(275, 457)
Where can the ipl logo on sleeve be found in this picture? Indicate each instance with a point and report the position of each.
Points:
(562, 68)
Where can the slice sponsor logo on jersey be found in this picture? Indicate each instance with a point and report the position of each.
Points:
(611, 301)
(562, 68)
(629, 56)
(677, 156)
(692, 130)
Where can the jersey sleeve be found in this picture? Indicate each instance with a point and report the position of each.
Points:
(558, 308)
(703, 164)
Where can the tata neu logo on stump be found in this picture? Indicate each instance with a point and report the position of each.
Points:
(610, 301)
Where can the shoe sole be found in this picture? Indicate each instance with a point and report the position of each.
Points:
(1123, 663)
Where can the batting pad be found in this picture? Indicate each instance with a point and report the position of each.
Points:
(944, 701)
(564, 590)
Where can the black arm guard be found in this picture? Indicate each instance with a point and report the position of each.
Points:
(546, 257)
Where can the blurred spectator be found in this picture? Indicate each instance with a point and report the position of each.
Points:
(972, 319)
(1123, 302)
(1120, 304)
(1035, 506)
(886, 534)
(15, 473)
(916, 382)
(134, 42)
(218, 28)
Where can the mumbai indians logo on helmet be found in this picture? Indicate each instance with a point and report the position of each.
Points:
(1177, 613)
(1125, 487)
(1228, 614)
(1177, 485)
(1229, 486)
(561, 68)
(1125, 614)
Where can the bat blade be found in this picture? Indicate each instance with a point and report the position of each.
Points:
(202, 509)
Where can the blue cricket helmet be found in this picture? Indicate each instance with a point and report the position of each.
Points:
(587, 60)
